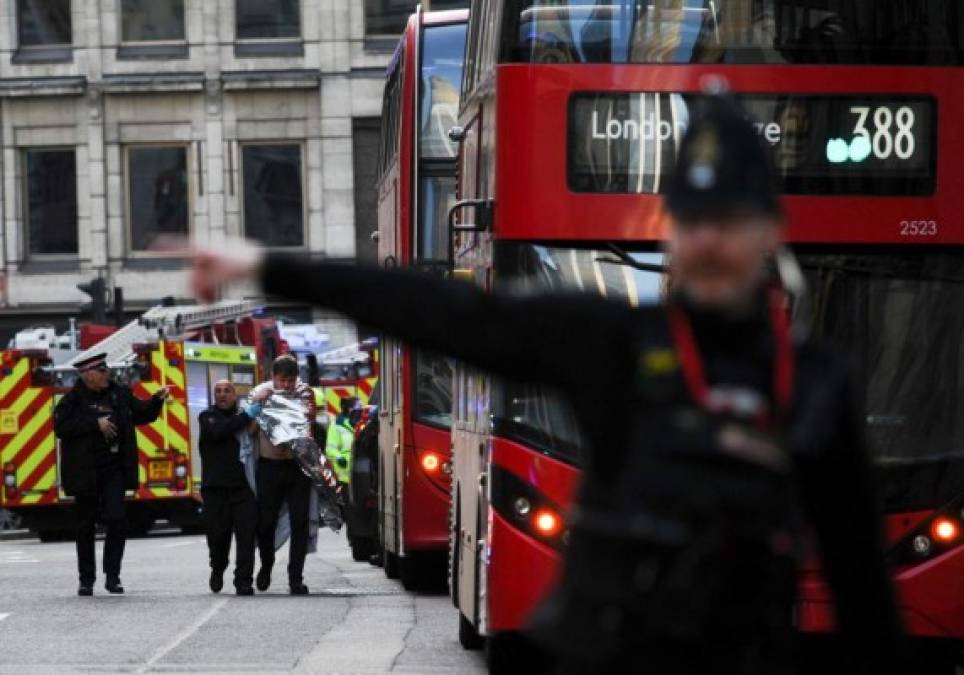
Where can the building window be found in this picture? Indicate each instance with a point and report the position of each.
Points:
(268, 19)
(157, 193)
(388, 17)
(42, 23)
(50, 201)
(152, 21)
(273, 202)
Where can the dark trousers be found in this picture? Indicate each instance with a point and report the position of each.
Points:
(280, 482)
(227, 511)
(107, 506)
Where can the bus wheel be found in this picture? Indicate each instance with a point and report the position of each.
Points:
(391, 563)
(511, 652)
(469, 638)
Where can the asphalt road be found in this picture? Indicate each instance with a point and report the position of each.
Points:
(355, 621)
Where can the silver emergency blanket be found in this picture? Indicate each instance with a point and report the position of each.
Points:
(285, 422)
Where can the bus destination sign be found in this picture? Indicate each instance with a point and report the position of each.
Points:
(833, 145)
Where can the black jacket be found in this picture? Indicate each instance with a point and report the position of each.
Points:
(221, 465)
(81, 442)
(652, 453)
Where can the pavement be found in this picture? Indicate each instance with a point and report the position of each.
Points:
(354, 621)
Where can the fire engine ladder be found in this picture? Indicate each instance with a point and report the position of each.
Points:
(160, 322)
(352, 352)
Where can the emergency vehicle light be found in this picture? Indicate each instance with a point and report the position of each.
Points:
(10, 480)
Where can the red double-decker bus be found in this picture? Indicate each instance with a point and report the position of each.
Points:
(571, 115)
(415, 190)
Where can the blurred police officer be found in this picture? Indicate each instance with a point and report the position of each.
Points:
(341, 435)
(229, 504)
(722, 432)
(95, 424)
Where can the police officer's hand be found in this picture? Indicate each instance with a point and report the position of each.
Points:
(236, 261)
(108, 428)
(162, 393)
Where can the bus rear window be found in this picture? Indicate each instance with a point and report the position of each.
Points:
(881, 32)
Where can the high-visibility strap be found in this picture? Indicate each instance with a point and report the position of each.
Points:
(694, 373)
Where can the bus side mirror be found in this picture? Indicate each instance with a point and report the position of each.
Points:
(484, 217)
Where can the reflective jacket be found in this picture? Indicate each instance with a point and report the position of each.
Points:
(338, 447)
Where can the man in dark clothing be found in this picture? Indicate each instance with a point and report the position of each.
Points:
(95, 424)
(280, 480)
(229, 504)
(722, 434)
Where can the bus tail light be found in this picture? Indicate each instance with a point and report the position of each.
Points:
(522, 505)
(431, 462)
(936, 535)
(945, 530)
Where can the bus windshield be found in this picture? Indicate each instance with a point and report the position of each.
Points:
(900, 319)
(881, 32)
(532, 414)
(441, 80)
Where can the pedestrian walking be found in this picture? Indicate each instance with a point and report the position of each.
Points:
(715, 439)
(280, 480)
(95, 423)
(230, 508)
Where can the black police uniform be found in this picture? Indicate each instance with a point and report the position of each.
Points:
(229, 503)
(96, 471)
(712, 442)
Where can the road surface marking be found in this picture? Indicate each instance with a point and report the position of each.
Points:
(4, 615)
(178, 543)
(183, 635)
(16, 557)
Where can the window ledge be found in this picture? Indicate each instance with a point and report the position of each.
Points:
(42, 86)
(381, 45)
(158, 264)
(146, 51)
(54, 54)
(271, 79)
(245, 48)
(52, 266)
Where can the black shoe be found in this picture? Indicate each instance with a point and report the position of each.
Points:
(216, 582)
(244, 590)
(86, 590)
(114, 586)
(264, 578)
(376, 560)
(298, 589)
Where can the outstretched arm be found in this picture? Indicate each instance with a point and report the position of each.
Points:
(550, 338)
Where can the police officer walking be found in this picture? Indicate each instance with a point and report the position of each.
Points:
(724, 436)
(95, 424)
(229, 504)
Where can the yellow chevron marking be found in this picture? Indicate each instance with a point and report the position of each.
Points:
(43, 450)
(30, 428)
(47, 480)
(10, 381)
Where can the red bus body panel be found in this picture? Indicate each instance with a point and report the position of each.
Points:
(520, 567)
(533, 203)
(427, 500)
(532, 153)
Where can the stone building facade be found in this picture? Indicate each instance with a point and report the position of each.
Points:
(121, 120)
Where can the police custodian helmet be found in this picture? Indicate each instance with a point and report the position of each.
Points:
(723, 167)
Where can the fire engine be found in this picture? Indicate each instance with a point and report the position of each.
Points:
(185, 348)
